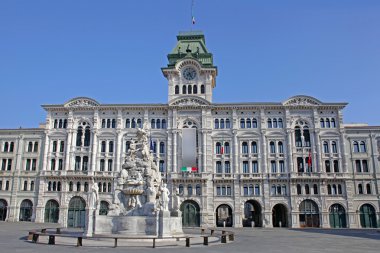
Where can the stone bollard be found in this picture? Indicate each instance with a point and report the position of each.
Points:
(252, 224)
(280, 224)
(224, 224)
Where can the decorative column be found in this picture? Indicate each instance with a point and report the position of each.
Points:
(175, 169)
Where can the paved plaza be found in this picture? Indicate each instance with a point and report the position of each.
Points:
(13, 239)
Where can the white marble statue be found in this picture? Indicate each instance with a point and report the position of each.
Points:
(165, 197)
(94, 197)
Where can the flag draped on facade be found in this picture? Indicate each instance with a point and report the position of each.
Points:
(189, 169)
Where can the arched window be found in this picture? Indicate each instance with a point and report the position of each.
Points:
(104, 187)
(60, 123)
(329, 189)
(222, 124)
(113, 123)
(59, 187)
(327, 123)
(306, 135)
(110, 147)
(280, 124)
(30, 146)
(108, 123)
(62, 146)
(198, 190)
(340, 189)
(272, 147)
(228, 124)
(356, 147)
(153, 123)
(216, 125)
(315, 189)
(103, 123)
(133, 123)
(297, 136)
(100, 187)
(363, 147)
(139, 123)
(227, 167)
(254, 147)
(327, 166)
(326, 147)
(189, 190)
(162, 147)
(218, 148)
(184, 89)
(334, 189)
(87, 136)
(35, 148)
(103, 146)
(242, 123)
(334, 147)
(54, 186)
(49, 186)
(274, 123)
(158, 124)
(254, 123)
(299, 191)
(368, 188)
(280, 147)
(360, 188)
(307, 189)
(244, 148)
(104, 207)
(248, 123)
(163, 124)
(333, 123)
(322, 121)
(202, 89)
(195, 89)
(65, 123)
(189, 89)
(109, 187)
(219, 167)
(180, 189)
(269, 123)
(55, 123)
(176, 89)
(127, 123)
(127, 145)
(226, 148)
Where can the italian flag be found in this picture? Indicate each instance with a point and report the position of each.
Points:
(189, 169)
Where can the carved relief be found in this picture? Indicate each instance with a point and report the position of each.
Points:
(81, 102)
(189, 102)
(301, 100)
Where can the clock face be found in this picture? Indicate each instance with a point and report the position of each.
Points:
(189, 73)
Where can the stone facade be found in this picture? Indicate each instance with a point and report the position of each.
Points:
(292, 163)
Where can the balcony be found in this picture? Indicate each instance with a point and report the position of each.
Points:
(278, 175)
(223, 176)
(184, 175)
(306, 174)
(247, 176)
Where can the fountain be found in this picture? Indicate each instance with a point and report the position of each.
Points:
(141, 199)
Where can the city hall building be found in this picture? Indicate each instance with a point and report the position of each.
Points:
(293, 163)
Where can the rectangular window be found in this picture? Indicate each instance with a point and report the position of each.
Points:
(245, 167)
(34, 164)
(229, 191)
(245, 190)
(109, 164)
(358, 166)
(227, 167)
(52, 164)
(365, 166)
(162, 166)
(9, 164)
(85, 163)
(60, 164)
(282, 166)
(7, 185)
(62, 146)
(77, 162)
(255, 167)
(218, 191)
(4, 164)
(273, 166)
(257, 190)
(102, 165)
(27, 165)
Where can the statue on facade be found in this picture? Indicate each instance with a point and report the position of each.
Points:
(94, 195)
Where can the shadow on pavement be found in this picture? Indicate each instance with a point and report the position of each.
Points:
(361, 233)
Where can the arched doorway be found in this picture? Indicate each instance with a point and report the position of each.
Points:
(252, 213)
(190, 214)
(52, 211)
(368, 216)
(3, 209)
(224, 216)
(280, 216)
(76, 213)
(337, 216)
(26, 210)
(309, 214)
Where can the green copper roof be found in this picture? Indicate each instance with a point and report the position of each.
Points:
(191, 44)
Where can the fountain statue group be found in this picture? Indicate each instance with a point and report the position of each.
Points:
(141, 198)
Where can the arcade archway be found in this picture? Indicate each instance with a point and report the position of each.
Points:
(224, 216)
(337, 216)
(309, 214)
(77, 213)
(190, 214)
(252, 214)
(52, 211)
(280, 216)
(26, 210)
(3, 209)
(368, 216)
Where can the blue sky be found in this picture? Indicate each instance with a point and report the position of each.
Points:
(112, 51)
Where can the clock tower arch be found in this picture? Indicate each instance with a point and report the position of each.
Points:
(190, 71)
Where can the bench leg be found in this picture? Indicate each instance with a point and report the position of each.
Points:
(224, 239)
(154, 242)
(79, 241)
(30, 236)
(35, 238)
(205, 240)
(212, 231)
(58, 230)
(231, 237)
(51, 240)
(115, 245)
(187, 242)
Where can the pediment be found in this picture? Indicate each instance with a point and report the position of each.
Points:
(189, 101)
(302, 101)
(81, 102)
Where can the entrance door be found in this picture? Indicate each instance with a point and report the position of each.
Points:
(337, 216)
(252, 214)
(368, 216)
(279, 216)
(77, 213)
(190, 214)
(3, 210)
(309, 214)
(26, 210)
(52, 211)
(223, 216)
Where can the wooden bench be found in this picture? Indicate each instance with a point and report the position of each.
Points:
(116, 239)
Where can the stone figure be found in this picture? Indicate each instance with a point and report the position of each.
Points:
(151, 192)
(94, 197)
(176, 200)
(165, 197)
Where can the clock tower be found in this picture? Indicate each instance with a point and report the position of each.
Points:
(190, 71)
